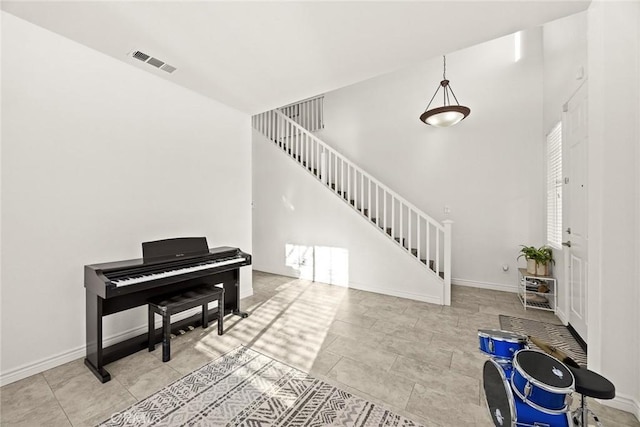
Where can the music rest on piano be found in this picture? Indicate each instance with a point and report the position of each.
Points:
(167, 266)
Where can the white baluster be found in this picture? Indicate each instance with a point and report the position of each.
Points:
(428, 242)
(401, 220)
(314, 112)
(418, 236)
(437, 263)
(384, 208)
(342, 176)
(409, 229)
(393, 216)
(336, 171)
(323, 165)
(362, 192)
(302, 120)
(279, 132)
(369, 210)
(446, 298)
(309, 152)
(348, 192)
(292, 140)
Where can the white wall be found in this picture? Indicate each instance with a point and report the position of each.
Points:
(565, 70)
(487, 169)
(614, 197)
(565, 64)
(292, 208)
(97, 157)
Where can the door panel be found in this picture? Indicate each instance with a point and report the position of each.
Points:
(575, 219)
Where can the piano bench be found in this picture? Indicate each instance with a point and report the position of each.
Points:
(167, 305)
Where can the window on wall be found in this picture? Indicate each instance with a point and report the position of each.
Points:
(554, 186)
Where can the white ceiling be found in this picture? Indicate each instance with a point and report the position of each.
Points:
(255, 56)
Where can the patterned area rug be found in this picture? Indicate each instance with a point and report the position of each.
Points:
(247, 388)
(555, 335)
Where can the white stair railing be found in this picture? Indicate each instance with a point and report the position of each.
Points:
(422, 237)
(308, 113)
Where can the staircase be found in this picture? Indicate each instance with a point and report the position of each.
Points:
(422, 238)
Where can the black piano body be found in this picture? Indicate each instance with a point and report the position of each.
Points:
(168, 266)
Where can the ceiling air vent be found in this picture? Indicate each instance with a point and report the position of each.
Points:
(155, 62)
(141, 56)
(168, 68)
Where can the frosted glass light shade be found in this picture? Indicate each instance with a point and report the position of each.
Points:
(443, 117)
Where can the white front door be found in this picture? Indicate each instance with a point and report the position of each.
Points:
(574, 164)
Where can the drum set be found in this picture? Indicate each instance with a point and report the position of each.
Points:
(524, 387)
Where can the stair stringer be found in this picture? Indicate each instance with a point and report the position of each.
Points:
(292, 207)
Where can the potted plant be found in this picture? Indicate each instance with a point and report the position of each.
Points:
(529, 254)
(538, 259)
(544, 259)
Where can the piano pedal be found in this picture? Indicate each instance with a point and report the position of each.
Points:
(191, 328)
(181, 332)
(172, 336)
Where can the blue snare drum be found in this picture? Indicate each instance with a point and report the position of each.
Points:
(542, 381)
(506, 409)
(501, 344)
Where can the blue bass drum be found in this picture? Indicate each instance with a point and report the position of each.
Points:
(501, 344)
(542, 381)
(507, 409)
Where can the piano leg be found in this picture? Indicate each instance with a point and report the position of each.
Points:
(94, 337)
(232, 295)
(166, 337)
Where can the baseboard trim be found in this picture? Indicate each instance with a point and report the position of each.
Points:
(56, 360)
(623, 403)
(47, 363)
(41, 365)
(563, 317)
(485, 285)
(392, 292)
(577, 337)
(385, 291)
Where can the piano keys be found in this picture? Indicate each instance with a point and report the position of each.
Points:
(168, 266)
(175, 271)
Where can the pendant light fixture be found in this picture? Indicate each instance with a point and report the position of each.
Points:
(447, 115)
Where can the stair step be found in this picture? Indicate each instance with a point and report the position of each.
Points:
(424, 261)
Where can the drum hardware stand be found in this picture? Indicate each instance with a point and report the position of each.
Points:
(590, 384)
(581, 414)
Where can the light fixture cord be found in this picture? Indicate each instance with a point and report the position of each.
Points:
(444, 77)
(444, 67)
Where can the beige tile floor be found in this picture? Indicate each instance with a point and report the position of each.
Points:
(418, 359)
